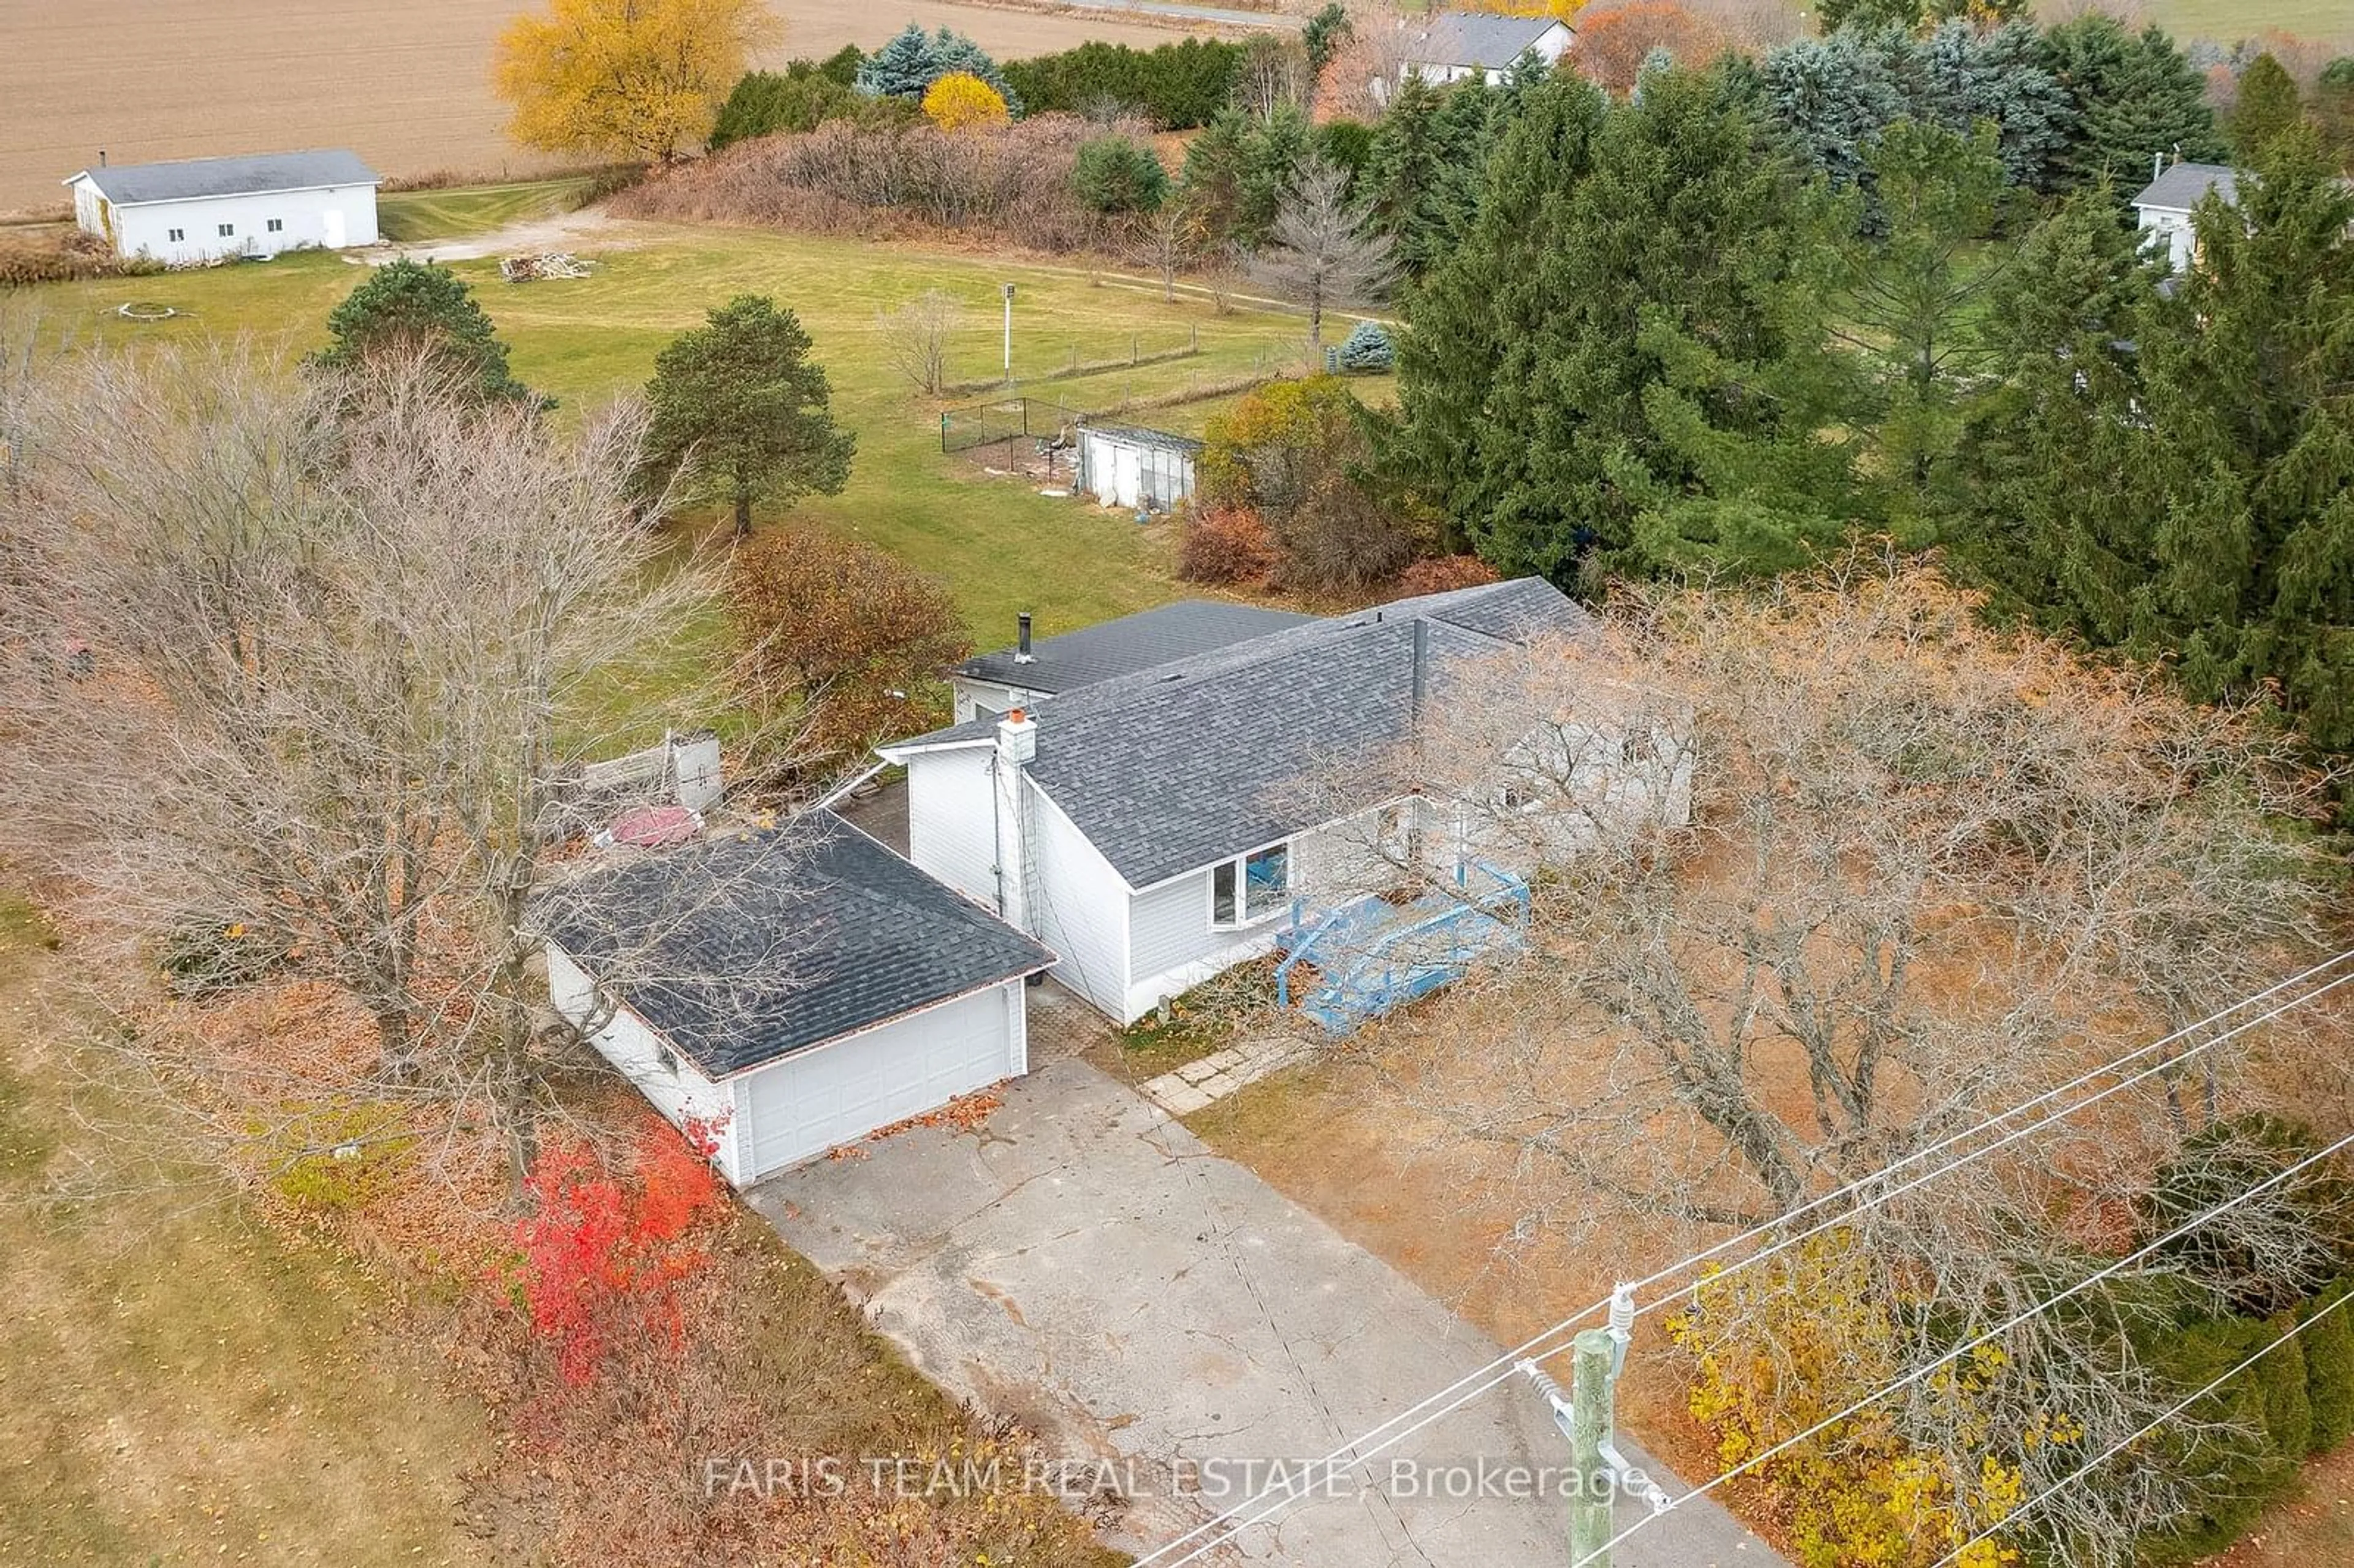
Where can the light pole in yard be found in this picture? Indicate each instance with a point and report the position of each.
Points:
(1008, 288)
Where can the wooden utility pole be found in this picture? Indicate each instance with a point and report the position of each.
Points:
(1594, 1362)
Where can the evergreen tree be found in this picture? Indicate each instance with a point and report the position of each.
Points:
(1970, 76)
(2244, 376)
(2267, 106)
(2054, 457)
(1832, 97)
(410, 306)
(2333, 108)
(1523, 380)
(1772, 477)
(1912, 307)
(2136, 97)
(740, 407)
(914, 60)
(1405, 172)
(1237, 169)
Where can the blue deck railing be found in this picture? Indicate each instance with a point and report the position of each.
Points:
(1373, 956)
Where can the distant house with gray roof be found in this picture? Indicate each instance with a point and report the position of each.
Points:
(1156, 826)
(197, 210)
(1454, 46)
(2163, 207)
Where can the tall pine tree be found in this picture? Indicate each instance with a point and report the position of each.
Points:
(2136, 97)
(2249, 388)
(1523, 381)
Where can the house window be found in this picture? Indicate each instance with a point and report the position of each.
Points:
(1251, 887)
(227, 229)
(276, 224)
(175, 235)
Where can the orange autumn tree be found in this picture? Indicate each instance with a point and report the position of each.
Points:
(1613, 42)
(846, 635)
(962, 101)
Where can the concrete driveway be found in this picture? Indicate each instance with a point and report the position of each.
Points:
(1087, 1266)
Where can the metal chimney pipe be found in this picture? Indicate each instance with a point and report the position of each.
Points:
(1022, 639)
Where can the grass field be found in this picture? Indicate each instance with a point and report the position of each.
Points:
(2227, 21)
(185, 1385)
(406, 217)
(405, 86)
(1000, 547)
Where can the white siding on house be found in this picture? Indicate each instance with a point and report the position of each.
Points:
(331, 217)
(2168, 229)
(672, 1086)
(837, 1093)
(952, 819)
(1078, 906)
(975, 698)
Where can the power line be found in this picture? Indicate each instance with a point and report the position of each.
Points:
(1270, 1501)
(1919, 1373)
(2114, 1449)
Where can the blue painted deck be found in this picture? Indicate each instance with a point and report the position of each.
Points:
(1373, 957)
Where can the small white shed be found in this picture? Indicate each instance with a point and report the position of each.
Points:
(208, 209)
(792, 990)
(1130, 466)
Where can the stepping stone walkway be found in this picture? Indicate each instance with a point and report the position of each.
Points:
(1213, 1077)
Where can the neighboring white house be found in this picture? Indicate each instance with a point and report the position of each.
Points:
(1027, 674)
(1130, 466)
(790, 991)
(2163, 209)
(1153, 828)
(1450, 45)
(207, 210)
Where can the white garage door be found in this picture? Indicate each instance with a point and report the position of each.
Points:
(839, 1093)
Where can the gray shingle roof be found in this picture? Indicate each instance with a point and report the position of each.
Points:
(1170, 768)
(1111, 648)
(130, 185)
(1144, 435)
(2182, 186)
(1478, 38)
(743, 949)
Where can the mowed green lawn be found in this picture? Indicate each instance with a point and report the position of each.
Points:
(411, 216)
(998, 545)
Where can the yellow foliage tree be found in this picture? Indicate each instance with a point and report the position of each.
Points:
(630, 78)
(1775, 1354)
(962, 101)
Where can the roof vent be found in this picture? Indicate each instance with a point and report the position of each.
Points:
(1022, 655)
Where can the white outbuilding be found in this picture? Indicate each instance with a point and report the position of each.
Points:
(1127, 465)
(208, 209)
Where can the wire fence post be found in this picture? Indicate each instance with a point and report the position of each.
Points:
(1593, 1383)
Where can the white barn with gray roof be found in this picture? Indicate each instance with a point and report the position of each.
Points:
(199, 210)
(2163, 208)
(1152, 829)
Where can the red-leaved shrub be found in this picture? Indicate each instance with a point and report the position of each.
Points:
(1225, 544)
(1444, 573)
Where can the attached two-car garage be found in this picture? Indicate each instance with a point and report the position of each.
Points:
(789, 990)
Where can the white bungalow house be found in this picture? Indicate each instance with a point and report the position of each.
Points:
(2162, 210)
(1149, 827)
(1453, 46)
(788, 991)
(208, 209)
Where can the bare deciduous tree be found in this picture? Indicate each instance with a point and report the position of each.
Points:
(1168, 239)
(915, 339)
(338, 643)
(1319, 252)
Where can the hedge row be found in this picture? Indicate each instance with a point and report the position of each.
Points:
(2246, 1441)
(1176, 86)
